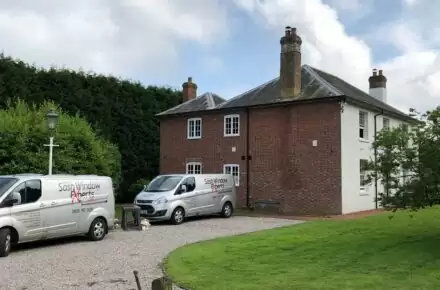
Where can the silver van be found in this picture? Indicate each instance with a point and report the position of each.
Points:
(36, 207)
(177, 196)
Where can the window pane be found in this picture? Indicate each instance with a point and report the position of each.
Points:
(33, 190)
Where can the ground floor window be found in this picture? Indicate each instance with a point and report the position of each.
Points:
(194, 168)
(233, 169)
(365, 179)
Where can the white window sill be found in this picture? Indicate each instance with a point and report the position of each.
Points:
(364, 140)
(232, 135)
(363, 191)
(194, 138)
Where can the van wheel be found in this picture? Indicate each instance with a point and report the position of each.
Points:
(178, 216)
(5, 242)
(98, 229)
(227, 210)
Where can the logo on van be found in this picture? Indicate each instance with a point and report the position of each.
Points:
(217, 184)
(79, 191)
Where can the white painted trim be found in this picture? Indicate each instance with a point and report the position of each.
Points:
(193, 164)
(232, 116)
(188, 128)
(236, 178)
(365, 126)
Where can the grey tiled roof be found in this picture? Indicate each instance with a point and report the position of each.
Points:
(315, 84)
(207, 101)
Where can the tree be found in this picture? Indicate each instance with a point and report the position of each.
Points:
(120, 110)
(407, 163)
(23, 133)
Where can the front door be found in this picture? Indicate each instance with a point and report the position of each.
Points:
(27, 213)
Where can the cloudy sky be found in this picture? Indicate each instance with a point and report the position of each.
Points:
(230, 46)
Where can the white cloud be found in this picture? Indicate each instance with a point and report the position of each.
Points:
(107, 36)
(326, 45)
(140, 37)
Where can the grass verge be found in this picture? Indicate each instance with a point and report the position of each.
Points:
(370, 253)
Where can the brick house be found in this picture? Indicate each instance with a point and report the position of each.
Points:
(296, 142)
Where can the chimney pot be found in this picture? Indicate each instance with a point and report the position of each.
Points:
(380, 72)
(374, 72)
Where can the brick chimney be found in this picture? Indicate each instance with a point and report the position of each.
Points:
(290, 64)
(378, 85)
(189, 90)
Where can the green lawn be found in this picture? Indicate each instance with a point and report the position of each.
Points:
(370, 253)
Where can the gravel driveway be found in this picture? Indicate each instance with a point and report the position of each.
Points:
(109, 264)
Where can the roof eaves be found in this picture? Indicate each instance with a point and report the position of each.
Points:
(400, 116)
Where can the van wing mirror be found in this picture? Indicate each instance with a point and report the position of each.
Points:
(183, 188)
(9, 202)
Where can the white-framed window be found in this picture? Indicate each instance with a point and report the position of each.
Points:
(233, 169)
(365, 179)
(386, 123)
(232, 125)
(194, 168)
(363, 125)
(195, 128)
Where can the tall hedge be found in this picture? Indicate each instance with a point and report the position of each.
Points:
(23, 133)
(122, 111)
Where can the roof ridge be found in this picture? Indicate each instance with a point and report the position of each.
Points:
(176, 107)
(210, 101)
(327, 85)
(247, 92)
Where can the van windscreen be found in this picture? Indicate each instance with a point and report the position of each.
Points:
(6, 183)
(163, 183)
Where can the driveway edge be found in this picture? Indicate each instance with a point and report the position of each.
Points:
(167, 277)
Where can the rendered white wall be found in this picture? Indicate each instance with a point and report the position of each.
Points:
(352, 150)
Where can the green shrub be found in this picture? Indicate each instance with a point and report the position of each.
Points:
(23, 133)
(136, 187)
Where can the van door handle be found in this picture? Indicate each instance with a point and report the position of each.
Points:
(53, 203)
(42, 205)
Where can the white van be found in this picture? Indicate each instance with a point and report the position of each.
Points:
(36, 207)
(176, 196)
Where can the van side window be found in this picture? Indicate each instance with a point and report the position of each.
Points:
(190, 183)
(30, 191)
(33, 190)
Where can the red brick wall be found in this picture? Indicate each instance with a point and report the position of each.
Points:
(212, 150)
(285, 167)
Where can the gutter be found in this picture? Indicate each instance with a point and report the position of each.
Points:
(375, 156)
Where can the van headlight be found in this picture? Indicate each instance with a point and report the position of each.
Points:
(160, 200)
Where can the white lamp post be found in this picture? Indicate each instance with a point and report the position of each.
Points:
(52, 119)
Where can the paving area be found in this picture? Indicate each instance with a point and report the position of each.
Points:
(79, 264)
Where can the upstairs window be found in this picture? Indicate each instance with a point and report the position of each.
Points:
(386, 123)
(232, 125)
(194, 128)
(363, 125)
(194, 168)
(233, 169)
